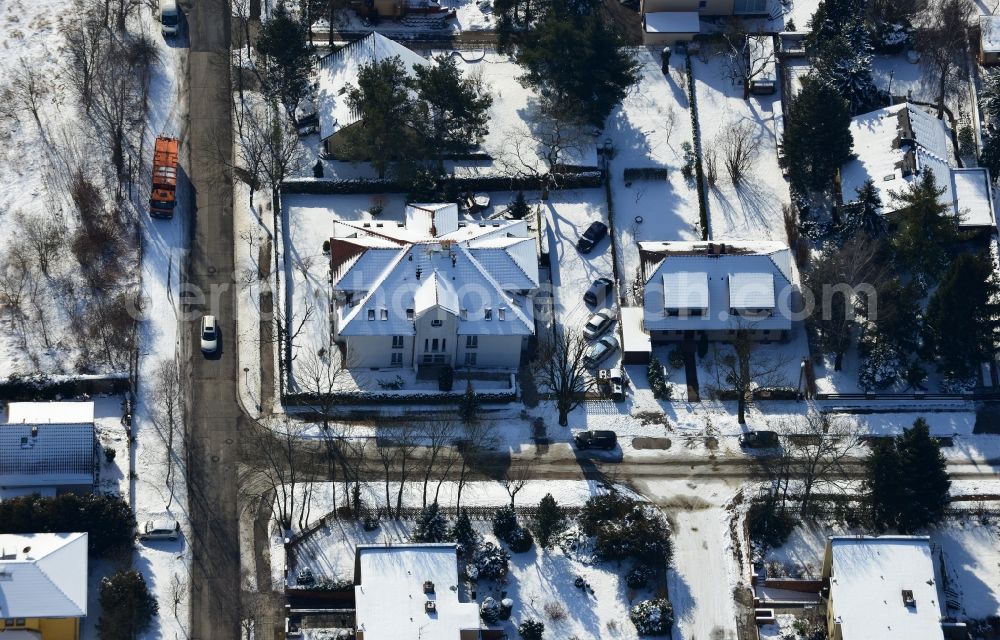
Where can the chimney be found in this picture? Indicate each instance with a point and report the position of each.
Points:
(722, 248)
(418, 273)
(34, 431)
(711, 248)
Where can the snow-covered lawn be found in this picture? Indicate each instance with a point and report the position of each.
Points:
(753, 210)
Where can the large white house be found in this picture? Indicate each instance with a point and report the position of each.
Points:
(433, 290)
(716, 289)
(895, 146)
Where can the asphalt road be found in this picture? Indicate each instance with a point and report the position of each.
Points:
(213, 412)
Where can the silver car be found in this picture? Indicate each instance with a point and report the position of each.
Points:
(601, 350)
(599, 323)
(209, 334)
(160, 530)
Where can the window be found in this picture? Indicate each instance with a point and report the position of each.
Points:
(371, 314)
(471, 342)
(427, 344)
(384, 314)
(427, 358)
(434, 344)
(464, 314)
(397, 358)
(501, 314)
(444, 344)
(470, 359)
(409, 314)
(439, 359)
(436, 323)
(694, 312)
(19, 622)
(702, 4)
(488, 314)
(397, 342)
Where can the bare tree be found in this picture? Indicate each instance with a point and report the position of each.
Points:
(815, 451)
(943, 41)
(406, 440)
(515, 477)
(743, 367)
(15, 278)
(27, 90)
(178, 591)
(711, 161)
(562, 367)
(746, 58)
(44, 235)
(478, 439)
(321, 375)
(86, 40)
(167, 398)
(276, 448)
(439, 434)
(550, 139)
(270, 132)
(388, 456)
(739, 149)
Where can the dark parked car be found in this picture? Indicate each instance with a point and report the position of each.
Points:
(598, 291)
(759, 440)
(596, 440)
(594, 234)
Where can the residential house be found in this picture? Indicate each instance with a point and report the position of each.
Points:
(708, 7)
(433, 290)
(43, 585)
(882, 588)
(338, 73)
(989, 39)
(894, 146)
(413, 591)
(669, 27)
(47, 448)
(716, 289)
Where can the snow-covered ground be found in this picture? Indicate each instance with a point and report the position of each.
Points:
(752, 210)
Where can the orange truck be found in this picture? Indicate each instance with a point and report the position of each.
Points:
(164, 197)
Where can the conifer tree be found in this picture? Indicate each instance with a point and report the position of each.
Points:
(549, 520)
(817, 138)
(926, 228)
(284, 41)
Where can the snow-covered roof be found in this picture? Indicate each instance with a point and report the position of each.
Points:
(973, 196)
(762, 52)
(989, 28)
(893, 146)
(432, 219)
(740, 275)
(870, 580)
(479, 272)
(389, 593)
(671, 22)
(635, 339)
(50, 412)
(685, 290)
(43, 575)
(339, 71)
(46, 454)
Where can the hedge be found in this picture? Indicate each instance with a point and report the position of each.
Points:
(42, 387)
(585, 178)
(400, 397)
(698, 170)
(646, 173)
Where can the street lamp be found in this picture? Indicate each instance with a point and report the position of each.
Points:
(246, 377)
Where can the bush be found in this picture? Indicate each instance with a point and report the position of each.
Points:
(447, 379)
(550, 520)
(689, 161)
(555, 610)
(520, 540)
(652, 617)
(127, 606)
(431, 525)
(768, 526)
(625, 528)
(638, 577)
(318, 169)
(489, 562)
(675, 358)
(108, 520)
(518, 208)
(462, 531)
(657, 379)
(507, 528)
(109, 454)
(531, 630)
(489, 610)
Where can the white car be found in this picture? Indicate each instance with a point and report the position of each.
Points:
(160, 530)
(209, 334)
(599, 323)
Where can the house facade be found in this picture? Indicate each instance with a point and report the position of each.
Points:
(47, 448)
(708, 7)
(716, 290)
(882, 588)
(433, 291)
(43, 585)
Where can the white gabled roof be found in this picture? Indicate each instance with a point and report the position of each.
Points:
(338, 72)
(50, 412)
(667, 265)
(989, 27)
(389, 593)
(884, 151)
(867, 581)
(671, 22)
(465, 272)
(749, 290)
(685, 290)
(43, 575)
(46, 455)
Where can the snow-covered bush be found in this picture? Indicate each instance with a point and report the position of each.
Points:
(576, 545)
(305, 577)
(652, 617)
(490, 562)
(431, 525)
(531, 630)
(507, 528)
(463, 533)
(881, 367)
(625, 528)
(657, 379)
(489, 610)
(638, 577)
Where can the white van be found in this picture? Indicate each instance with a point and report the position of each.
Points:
(169, 17)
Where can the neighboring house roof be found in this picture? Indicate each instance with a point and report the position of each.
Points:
(50, 412)
(671, 22)
(893, 146)
(715, 278)
(389, 593)
(989, 28)
(46, 455)
(43, 575)
(477, 267)
(870, 580)
(338, 72)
